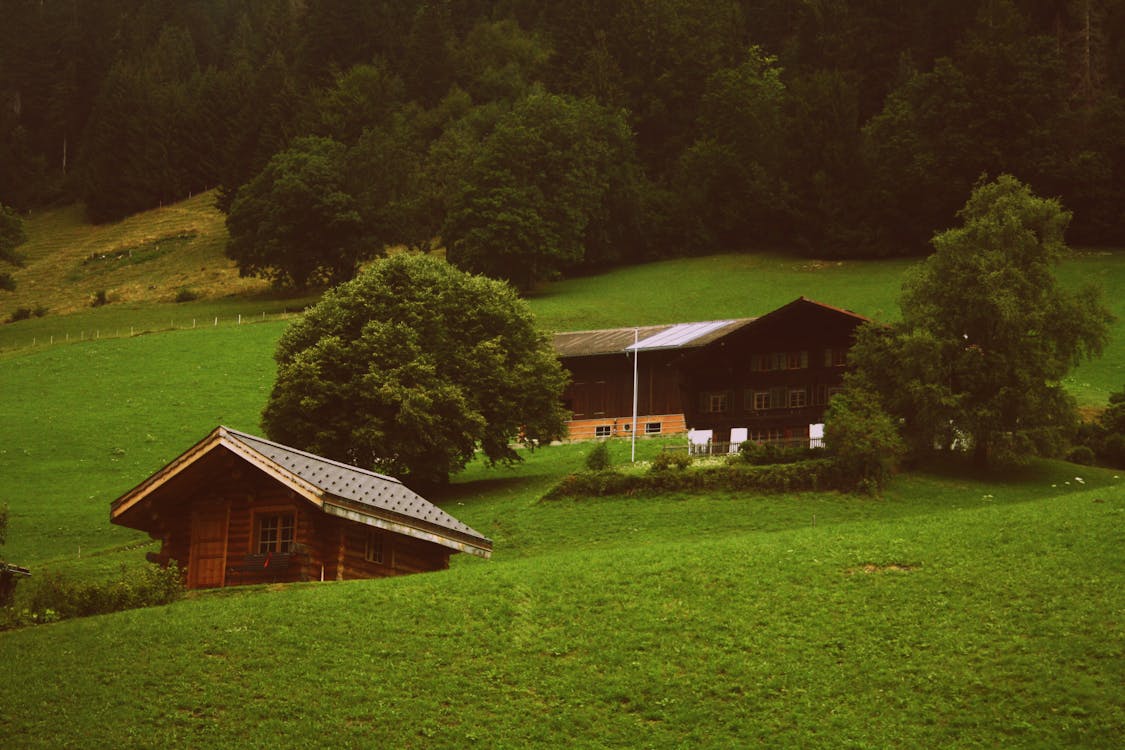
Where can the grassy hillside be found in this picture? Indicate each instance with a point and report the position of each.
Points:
(951, 613)
(956, 611)
(148, 257)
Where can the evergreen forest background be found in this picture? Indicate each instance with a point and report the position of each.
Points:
(606, 131)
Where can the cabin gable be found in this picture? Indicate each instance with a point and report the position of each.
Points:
(233, 509)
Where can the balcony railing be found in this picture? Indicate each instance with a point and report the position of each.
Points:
(721, 448)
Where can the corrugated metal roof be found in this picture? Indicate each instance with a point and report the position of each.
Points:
(606, 341)
(684, 335)
(355, 484)
(620, 340)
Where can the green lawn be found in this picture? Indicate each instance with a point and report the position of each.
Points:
(956, 611)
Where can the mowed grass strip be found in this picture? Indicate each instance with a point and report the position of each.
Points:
(985, 626)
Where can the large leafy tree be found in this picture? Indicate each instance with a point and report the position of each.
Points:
(553, 185)
(297, 222)
(413, 366)
(987, 332)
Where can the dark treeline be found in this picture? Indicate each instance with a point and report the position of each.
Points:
(535, 136)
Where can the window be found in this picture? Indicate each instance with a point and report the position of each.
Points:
(761, 363)
(820, 395)
(779, 397)
(761, 400)
(652, 428)
(714, 402)
(374, 551)
(603, 430)
(837, 357)
(796, 360)
(275, 533)
(798, 397)
(765, 436)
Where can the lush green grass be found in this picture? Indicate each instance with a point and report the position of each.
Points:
(953, 613)
(86, 422)
(669, 621)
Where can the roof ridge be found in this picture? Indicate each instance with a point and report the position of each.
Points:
(313, 456)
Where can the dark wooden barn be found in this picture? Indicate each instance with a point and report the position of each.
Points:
(235, 508)
(766, 379)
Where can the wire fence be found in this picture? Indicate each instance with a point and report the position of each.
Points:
(115, 331)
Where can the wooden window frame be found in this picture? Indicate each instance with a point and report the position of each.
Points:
(761, 400)
(714, 402)
(603, 430)
(377, 541)
(652, 428)
(798, 398)
(258, 515)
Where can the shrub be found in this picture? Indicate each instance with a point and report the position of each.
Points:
(1081, 454)
(862, 438)
(599, 459)
(20, 313)
(186, 294)
(40, 311)
(814, 474)
(761, 454)
(668, 460)
(7, 282)
(99, 298)
(55, 596)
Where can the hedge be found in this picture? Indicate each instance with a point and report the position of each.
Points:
(810, 475)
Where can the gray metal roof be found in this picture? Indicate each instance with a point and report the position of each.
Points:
(648, 338)
(352, 483)
(682, 335)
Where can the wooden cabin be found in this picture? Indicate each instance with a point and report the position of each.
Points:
(236, 508)
(766, 379)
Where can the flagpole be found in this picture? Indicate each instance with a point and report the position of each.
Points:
(636, 355)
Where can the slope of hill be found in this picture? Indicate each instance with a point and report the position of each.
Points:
(148, 257)
(953, 612)
(956, 611)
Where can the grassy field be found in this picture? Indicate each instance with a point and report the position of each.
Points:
(957, 611)
(952, 613)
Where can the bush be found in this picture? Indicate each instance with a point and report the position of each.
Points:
(599, 459)
(668, 460)
(186, 294)
(20, 313)
(7, 282)
(862, 438)
(58, 597)
(1081, 454)
(814, 474)
(99, 298)
(762, 454)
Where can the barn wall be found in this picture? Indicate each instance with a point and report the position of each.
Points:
(327, 546)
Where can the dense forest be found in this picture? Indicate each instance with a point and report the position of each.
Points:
(536, 137)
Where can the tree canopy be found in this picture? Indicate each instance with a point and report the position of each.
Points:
(297, 222)
(987, 332)
(411, 367)
(847, 128)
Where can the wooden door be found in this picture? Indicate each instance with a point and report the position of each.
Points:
(207, 560)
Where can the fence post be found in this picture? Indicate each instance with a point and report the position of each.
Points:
(240, 318)
(216, 320)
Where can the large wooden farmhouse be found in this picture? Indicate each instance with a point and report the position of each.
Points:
(235, 508)
(766, 378)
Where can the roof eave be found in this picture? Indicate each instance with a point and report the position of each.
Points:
(478, 546)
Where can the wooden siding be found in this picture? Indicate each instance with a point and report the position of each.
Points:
(242, 493)
(602, 387)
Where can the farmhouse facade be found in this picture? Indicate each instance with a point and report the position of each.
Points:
(766, 379)
(236, 508)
